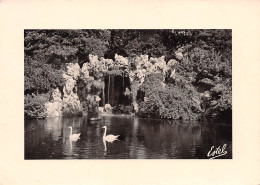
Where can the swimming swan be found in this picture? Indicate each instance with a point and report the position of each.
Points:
(73, 137)
(109, 138)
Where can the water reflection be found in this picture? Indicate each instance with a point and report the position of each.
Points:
(105, 145)
(139, 138)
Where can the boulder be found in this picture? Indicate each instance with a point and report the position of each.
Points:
(54, 108)
(136, 107)
(73, 70)
(97, 98)
(122, 109)
(213, 103)
(56, 95)
(205, 96)
(173, 75)
(108, 108)
(171, 63)
(179, 55)
(101, 109)
(129, 109)
(118, 109)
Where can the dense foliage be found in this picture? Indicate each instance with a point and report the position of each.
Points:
(34, 105)
(167, 100)
(210, 72)
(201, 85)
(40, 77)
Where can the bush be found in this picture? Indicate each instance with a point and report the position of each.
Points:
(219, 107)
(211, 72)
(167, 101)
(149, 44)
(40, 77)
(205, 64)
(34, 105)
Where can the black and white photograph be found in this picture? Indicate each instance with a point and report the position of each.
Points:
(127, 94)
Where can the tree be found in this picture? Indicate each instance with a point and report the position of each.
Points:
(47, 51)
(40, 77)
(149, 44)
(61, 46)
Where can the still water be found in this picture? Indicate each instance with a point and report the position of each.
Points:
(139, 138)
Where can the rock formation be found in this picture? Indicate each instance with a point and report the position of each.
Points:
(83, 87)
(54, 108)
(71, 103)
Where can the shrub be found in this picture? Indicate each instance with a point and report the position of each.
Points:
(149, 44)
(202, 60)
(34, 105)
(219, 107)
(167, 100)
(40, 77)
(212, 72)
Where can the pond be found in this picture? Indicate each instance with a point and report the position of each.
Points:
(139, 138)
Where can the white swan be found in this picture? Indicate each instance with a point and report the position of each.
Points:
(109, 138)
(73, 137)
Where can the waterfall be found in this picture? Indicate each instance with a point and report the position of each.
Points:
(112, 101)
(108, 88)
(123, 81)
(103, 94)
(114, 89)
(123, 88)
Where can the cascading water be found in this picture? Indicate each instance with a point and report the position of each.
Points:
(123, 87)
(108, 88)
(103, 95)
(114, 89)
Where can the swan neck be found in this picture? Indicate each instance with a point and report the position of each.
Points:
(70, 131)
(105, 132)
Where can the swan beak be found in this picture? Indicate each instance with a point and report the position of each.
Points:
(103, 127)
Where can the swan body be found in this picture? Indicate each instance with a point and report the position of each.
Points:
(109, 138)
(73, 137)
